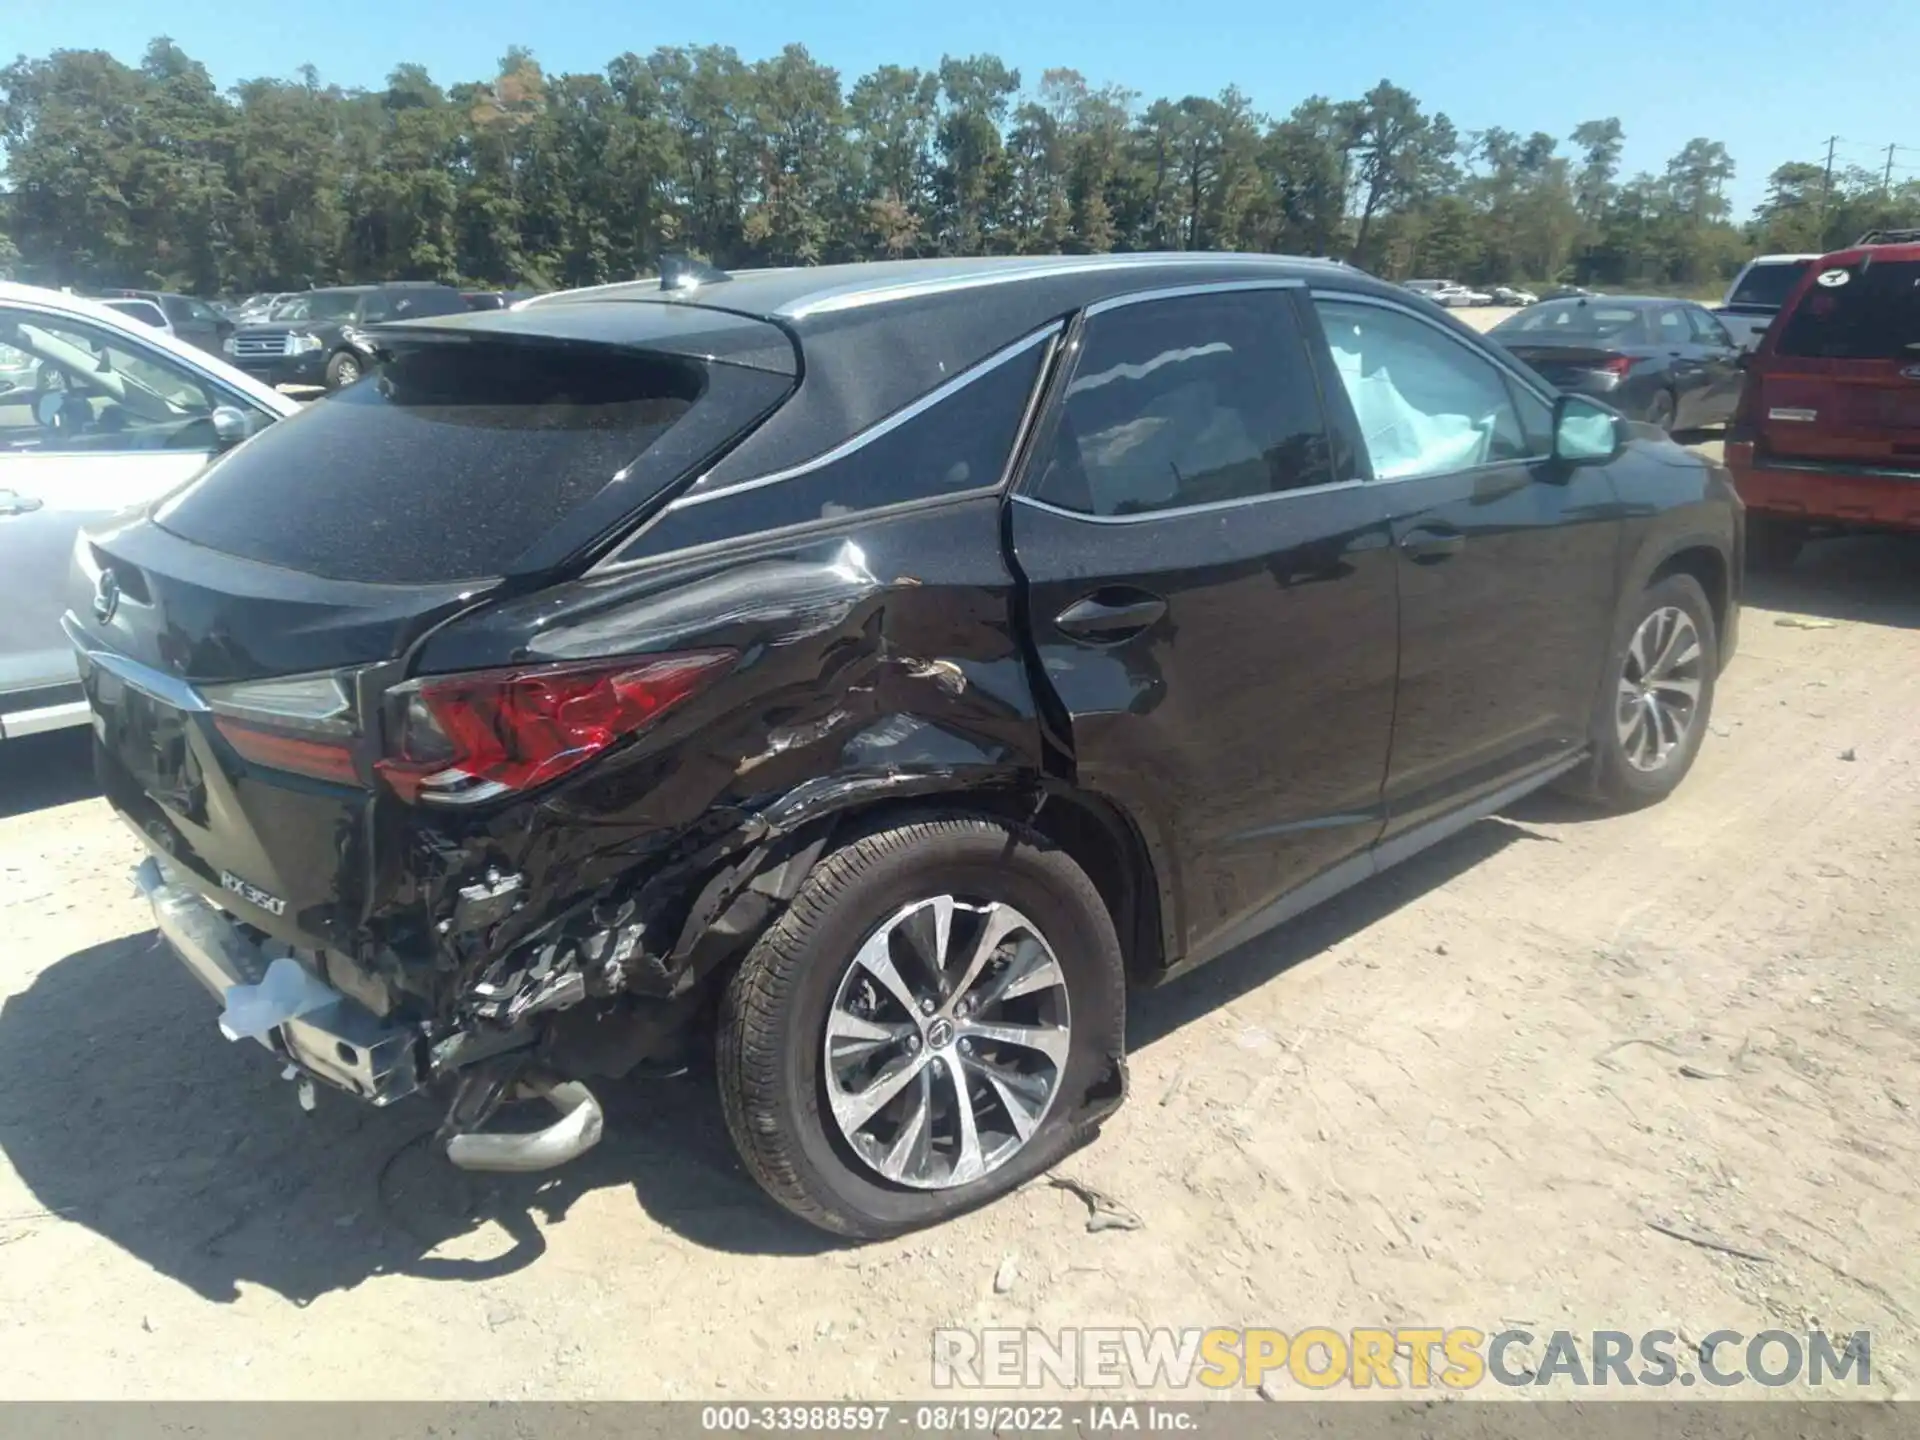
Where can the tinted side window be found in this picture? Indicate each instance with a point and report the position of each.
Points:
(960, 442)
(1426, 404)
(1673, 328)
(1186, 401)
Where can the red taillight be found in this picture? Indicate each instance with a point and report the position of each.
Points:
(301, 754)
(463, 738)
(1616, 366)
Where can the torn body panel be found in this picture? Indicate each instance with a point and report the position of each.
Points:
(876, 664)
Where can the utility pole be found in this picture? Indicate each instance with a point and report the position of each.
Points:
(1886, 182)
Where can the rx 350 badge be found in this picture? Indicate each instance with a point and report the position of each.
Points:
(253, 894)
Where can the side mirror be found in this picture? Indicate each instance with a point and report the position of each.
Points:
(231, 425)
(1585, 432)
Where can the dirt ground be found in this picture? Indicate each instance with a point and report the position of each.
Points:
(1456, 1096)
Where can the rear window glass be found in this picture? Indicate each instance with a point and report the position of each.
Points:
(446, 465)
(1768, 285)
(1867, 311)
(1574, 319)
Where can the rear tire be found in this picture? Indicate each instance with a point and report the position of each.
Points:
(1773, 544)
(779, 1091)
(1665, 643)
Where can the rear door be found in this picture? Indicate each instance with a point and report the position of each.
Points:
(91, 422)
(1842, 381)
(1506, 559)
(1721, 355)
(1690, 378)
(1211, 594)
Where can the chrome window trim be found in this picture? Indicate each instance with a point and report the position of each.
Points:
(888, 425)
(1500, 366)
(1205, 508)
(1182, 292)
(858, 296)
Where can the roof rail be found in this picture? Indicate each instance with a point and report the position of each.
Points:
(1890, 237)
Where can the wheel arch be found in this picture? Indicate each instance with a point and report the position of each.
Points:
(745, 892)
(1709, 564)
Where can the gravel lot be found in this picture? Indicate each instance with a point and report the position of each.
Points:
(1455, 1096)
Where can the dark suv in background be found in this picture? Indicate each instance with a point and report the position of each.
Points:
(319, 338)
(873, 667)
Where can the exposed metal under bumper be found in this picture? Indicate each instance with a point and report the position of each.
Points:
(338, 1041)
(577, 1131)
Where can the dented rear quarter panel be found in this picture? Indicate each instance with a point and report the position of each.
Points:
(875, 660)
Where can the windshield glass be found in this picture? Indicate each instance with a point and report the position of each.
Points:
(1866, 311)
(1574, 320)
(1767, 283)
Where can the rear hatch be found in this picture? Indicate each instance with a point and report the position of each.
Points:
(1839, 381)
(237, 642)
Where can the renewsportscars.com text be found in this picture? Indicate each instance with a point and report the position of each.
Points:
(1405, 1357)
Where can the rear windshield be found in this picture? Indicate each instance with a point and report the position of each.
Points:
(1866, 311)
(1574, 320)
(446, 465)
(1768, 284)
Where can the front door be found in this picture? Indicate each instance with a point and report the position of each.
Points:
(91, 423)
(1507, 559)
(1211, 596)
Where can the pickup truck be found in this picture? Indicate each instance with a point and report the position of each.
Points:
(1757, 293)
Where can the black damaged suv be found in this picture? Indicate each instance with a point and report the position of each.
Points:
(877, 667)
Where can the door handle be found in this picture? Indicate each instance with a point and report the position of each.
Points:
(1429, 547)
(13, 503)
(1111, 615)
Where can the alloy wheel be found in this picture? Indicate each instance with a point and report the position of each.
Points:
(1658, 695)
(946, 1041)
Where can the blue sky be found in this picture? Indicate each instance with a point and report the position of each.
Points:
(1771, 79)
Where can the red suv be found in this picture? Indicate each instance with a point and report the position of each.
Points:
(1827, 435)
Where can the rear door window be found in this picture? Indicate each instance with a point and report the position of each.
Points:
(1869, 310)
(1187, 401)
(452, 463)
(1673, 328)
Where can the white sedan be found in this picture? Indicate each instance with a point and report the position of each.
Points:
(98, 413)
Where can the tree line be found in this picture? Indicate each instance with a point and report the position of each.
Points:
(150, 175)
